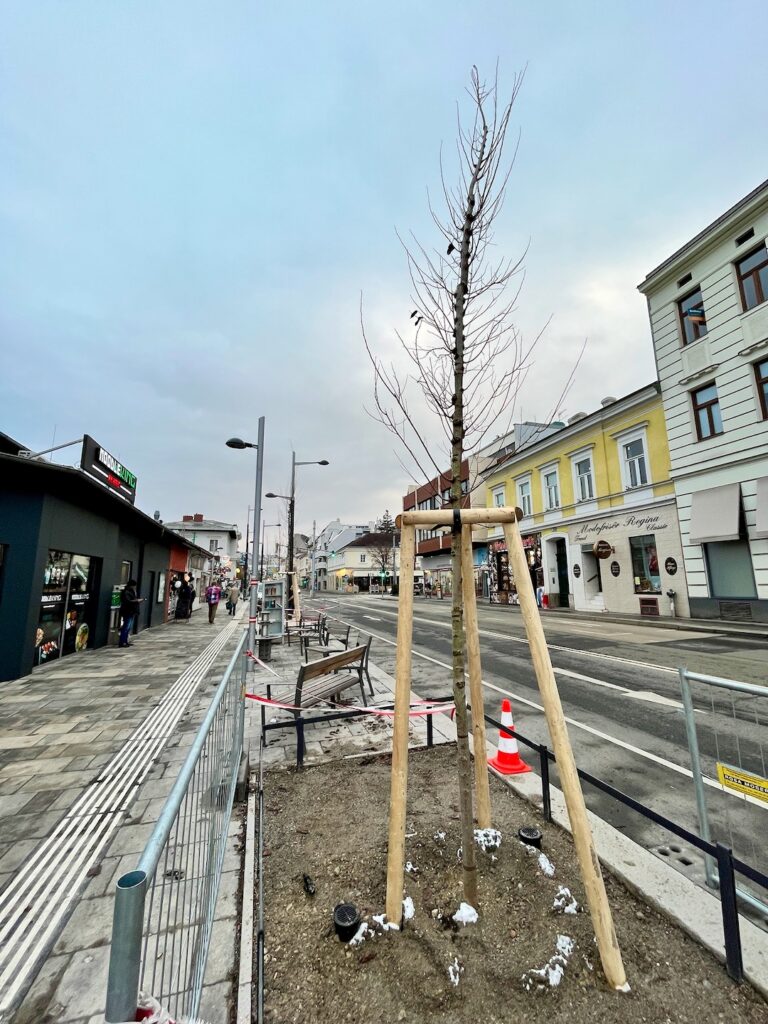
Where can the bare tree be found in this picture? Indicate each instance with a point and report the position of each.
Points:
(466, 359)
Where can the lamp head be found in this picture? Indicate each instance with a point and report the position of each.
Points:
(324, 462)
(236, 442)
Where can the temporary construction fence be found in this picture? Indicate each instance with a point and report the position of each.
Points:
(727, 728)
(164, 909)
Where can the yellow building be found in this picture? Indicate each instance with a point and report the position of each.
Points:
(600, 522)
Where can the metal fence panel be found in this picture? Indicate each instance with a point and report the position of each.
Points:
(727, 728)
(164, 909)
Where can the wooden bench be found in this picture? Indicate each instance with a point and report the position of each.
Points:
(316, 682)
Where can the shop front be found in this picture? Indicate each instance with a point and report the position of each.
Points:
(69, 545)
(501, 585)
(627, 563)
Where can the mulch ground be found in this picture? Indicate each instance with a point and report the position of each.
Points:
(525, 959)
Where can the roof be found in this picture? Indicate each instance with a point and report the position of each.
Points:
(209, 525)
(75, 486)
(746, 201)
(371, 540)
(8, 446)
(572, 428)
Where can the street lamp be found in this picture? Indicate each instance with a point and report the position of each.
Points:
(237, 442)
(263, 530)
(291, 508)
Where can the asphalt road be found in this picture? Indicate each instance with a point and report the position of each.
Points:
(620, 690)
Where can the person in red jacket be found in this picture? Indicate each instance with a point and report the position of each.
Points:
(212, 598)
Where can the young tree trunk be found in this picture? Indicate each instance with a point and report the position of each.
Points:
(464, 765)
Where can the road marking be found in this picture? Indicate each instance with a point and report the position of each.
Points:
(373, 618)
(519, 699)
(654, 698)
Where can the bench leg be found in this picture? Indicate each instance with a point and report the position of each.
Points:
(362, 688)
(299, 742)
(368, 677)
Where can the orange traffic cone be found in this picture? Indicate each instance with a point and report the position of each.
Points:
(507, 759)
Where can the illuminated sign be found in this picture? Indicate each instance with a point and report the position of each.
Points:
(98, 463)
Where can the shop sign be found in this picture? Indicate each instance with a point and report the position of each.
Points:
(577, 570)
(670, 566)
(98, 463)
(615, 568)
(647, 522)
(602, 549)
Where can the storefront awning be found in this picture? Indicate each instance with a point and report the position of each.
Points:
(715, 514)
(761, 524)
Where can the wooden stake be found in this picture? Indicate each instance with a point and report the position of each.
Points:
(597, 899)
(399, 784)
(472, 646)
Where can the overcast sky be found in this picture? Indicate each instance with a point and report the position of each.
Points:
(193, 195)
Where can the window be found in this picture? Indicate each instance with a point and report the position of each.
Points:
(761, 376)
(524, 491)
(498, 497)
(753, 277)
(213, 545)
(362, 559)
(645, 564)
(693, 320)
(729, 564)
(464, 486)
(551, 490)
(706, 412)
(636, 472)
(446, 495)
(584, 486)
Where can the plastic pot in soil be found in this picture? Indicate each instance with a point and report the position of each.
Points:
(346, 920)
(530, 836)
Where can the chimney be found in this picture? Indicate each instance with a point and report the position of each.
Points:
(607, 401)
(186, 519)
(156, 516)
(198, 517)
(576, 417)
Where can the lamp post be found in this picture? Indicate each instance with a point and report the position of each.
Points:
(236, 442)
(247, 528)
(291, 508)
(263, 530)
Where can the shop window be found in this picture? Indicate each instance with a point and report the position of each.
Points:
(498, 497)
(584, 485)
(761, 378)
(693, 320)
(645, 564)
(551, 490)
(635, 465)
(524, 494)
(729, 565)
(752, 272)
(66, 606)
(706, 412)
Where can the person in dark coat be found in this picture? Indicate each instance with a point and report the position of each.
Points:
(129, 608)
(184, 595)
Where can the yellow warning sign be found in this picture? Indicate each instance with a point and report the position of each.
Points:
(743, 782)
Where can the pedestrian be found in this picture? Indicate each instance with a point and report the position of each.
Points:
(212, 598)
(129, 607)
(233, 597)
(192, 595)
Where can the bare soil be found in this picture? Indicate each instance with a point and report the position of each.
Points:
(330, 823)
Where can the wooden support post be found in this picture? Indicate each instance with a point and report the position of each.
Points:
(472, 647)
(397, 799)
(597, 899)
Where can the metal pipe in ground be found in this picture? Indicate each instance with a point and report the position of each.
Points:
(125, 953)
(696, 769)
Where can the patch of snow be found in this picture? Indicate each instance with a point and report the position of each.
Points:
(454, 970)
(408, 908)
(384, 924)
(411, 868)
(553, 971)
(530, 850)
(624, 988)
(410, 835)
(359, 937)
(466, 914)
(439, 836)
(488, 839)
(565, 901)
(546, 865)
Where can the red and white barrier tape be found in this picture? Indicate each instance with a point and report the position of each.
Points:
(435, 709)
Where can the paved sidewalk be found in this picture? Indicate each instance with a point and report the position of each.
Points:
(60, 727)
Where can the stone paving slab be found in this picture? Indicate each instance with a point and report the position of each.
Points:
(73, 721)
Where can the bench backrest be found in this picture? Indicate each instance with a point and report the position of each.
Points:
(322, 682)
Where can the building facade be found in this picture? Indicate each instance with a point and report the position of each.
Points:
(219, 539)
(599, 519)
(331, 538)
(708, 308)
(365, 564)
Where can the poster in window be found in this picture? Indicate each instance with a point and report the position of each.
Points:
(52, 607)
(77, 625)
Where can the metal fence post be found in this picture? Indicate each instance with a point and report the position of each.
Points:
(430, 739)
(698, 777)
(730, 911)
(125, 953)
(546, 799)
